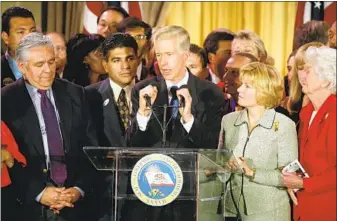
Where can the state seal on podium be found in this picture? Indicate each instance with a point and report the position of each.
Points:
(156, 179)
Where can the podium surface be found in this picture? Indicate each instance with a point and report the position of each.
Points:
(158, 184)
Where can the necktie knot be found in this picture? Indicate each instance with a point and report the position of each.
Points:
(173, 91)
(42, 92)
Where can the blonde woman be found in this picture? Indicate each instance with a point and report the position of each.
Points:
(297, 99)
(264, 141)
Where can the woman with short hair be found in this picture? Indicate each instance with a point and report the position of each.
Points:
(317, 138)
(263, 141)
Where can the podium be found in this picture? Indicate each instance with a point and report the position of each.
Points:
(158, 184)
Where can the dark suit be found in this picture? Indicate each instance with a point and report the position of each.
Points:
(207, 102)
(110, 133)
(7, 76)
(145, 73)
(19, 113)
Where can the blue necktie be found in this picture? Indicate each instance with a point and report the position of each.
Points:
(58, 170)
(174, 102)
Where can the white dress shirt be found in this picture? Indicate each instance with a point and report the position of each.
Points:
(139, 71)
(143, 120)
(215, 79)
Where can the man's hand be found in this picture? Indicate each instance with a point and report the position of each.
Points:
(66, 199)
(186, 111)
(151, 91)
(7, 158)
(52, 195)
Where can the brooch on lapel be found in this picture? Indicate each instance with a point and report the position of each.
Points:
(275, 125)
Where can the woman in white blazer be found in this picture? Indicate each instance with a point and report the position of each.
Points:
(264, 138)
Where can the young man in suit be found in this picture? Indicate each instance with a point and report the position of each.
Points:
(110, 104)
(196, 125)
(218, 49)
(50, 121)
(142, 33)
(17, 22)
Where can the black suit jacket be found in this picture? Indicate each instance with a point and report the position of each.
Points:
(18, 112)
(207, 103)
(105, 114)
(7, 76)
(145, 73)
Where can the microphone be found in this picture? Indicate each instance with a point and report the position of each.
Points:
(182, 99)
(147, 97)
(148, 100)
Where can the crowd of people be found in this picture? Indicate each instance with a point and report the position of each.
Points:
(58, 96)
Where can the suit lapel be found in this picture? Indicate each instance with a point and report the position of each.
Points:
(193, 90)
(111, 115)
(162, 96)
(64, 107)
(30, 118)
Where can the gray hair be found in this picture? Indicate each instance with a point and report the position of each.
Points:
(30, 41)
(323, 60)
(177, 32)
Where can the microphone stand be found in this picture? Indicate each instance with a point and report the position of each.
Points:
(164, 126)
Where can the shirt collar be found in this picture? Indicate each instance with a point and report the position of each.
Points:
(183, 81)
(117, 89)
(33, 90)
(139, 71)
(215, 79)
(266, 121)
(13, 66)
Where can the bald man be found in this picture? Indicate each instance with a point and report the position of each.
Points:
(332, 36)
(232, 80)
(60, 50)
(231, 77)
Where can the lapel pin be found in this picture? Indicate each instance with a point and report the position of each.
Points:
(275, 125)
(106, 102)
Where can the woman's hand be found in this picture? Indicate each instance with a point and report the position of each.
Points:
(247, 171)
(292, 180)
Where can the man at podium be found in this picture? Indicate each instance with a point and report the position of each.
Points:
(174, 110)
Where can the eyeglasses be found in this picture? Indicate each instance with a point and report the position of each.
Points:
(139, 37)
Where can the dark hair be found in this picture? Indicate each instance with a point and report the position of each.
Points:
(78, 47)
(118, 40)
(311, 31)
(133, 22)
(116, 9)
(211, 43)
(15, 11)
(195, 49)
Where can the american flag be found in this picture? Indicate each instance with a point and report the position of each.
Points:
(322, 11)
(93, 9)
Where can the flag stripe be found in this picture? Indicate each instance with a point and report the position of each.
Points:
(330, 13)
(89, 20)
(134, 9)
(95, 7)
